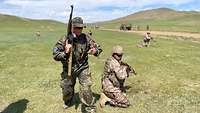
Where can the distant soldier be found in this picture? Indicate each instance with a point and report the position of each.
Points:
(115, 73)
(147, 27)
(81, 47)
(138, 27)
(38, 34)
(147, 39)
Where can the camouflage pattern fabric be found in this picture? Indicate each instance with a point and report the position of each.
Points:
(112, 82)
(80, 68)
(147, 39)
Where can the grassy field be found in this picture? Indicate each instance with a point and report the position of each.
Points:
(179, 25)
(168, 78)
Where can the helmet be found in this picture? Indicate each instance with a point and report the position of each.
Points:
(117, 49)
(77, 22)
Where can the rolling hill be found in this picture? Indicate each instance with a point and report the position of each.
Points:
(12, 23)
(163, 19)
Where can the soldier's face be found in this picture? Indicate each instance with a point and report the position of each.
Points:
(117, 56)
(77, 30)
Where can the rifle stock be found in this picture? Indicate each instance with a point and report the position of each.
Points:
(69, 35)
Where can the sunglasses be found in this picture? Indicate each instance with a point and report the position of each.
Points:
(119, 55)
(79, 27)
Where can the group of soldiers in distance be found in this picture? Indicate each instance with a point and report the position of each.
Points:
(147, 37)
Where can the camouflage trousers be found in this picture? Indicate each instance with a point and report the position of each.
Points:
(115, 94)
(146, 42)
(85, 93)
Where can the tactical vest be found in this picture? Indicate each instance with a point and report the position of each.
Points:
(79, 53)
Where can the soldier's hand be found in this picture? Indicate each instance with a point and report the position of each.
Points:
(92, 51)
(131, 70)
(68, 48)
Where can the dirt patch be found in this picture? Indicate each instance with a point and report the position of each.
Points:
(177, 35)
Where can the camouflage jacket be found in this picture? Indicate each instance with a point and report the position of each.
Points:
(114, 71)
(81, 46)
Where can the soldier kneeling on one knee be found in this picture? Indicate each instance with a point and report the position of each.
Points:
(147, 39)
(115, 73)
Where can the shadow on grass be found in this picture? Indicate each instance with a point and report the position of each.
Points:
(16, 107)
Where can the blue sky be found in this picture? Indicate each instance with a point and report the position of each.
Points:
(90, 10)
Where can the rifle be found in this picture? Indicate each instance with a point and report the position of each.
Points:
(70, 37)
(129, 69)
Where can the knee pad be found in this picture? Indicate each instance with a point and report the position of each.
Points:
(86, 97)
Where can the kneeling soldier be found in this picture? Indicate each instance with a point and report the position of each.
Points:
(115, 73)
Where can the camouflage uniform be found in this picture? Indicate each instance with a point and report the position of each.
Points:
(113, 82)
(147, 39)
(80, 68)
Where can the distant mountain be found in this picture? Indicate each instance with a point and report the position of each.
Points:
(164, 19)
(160, 19)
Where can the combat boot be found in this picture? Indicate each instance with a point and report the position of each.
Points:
(90, 110)
(103, 99)
(67, 104)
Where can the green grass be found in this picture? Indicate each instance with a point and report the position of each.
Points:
(167, 81)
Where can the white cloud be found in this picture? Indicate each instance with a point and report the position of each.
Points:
(90, 10)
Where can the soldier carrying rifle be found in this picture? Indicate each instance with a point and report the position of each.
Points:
(72, 50)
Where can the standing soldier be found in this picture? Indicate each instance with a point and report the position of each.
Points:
(147, 27)
(115, 73)
(81, 47)
(38, 34)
